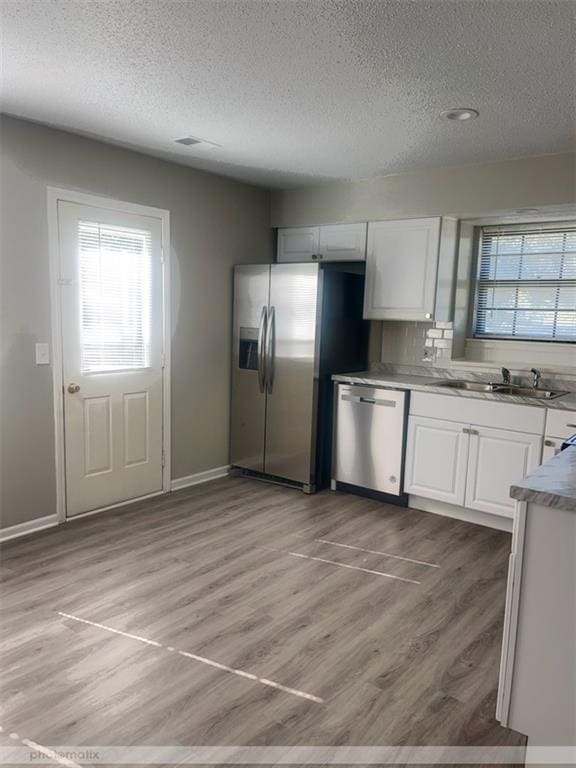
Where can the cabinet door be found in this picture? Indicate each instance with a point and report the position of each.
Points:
(298, 244)
(436, 459)
(401, 269)
(343, 242)
(497, 459)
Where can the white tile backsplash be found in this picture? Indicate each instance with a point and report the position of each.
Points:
(403, 342)
(410, 343)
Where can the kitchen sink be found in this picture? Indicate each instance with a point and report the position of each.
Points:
(471, 386)
(500, 389)
(540, 394)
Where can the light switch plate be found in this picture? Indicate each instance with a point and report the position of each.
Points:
(42, 354)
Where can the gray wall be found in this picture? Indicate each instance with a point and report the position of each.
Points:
(464, 191)
(215, 223)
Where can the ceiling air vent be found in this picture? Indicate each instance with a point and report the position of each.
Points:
(188, 141)
(192, 141)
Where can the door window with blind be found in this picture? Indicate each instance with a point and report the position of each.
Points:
(526, 283)
(115, 297)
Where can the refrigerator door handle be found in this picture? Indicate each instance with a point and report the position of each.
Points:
(262, 338)
(270, 349)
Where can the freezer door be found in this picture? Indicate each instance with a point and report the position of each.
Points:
(290, 412)
(248, 407)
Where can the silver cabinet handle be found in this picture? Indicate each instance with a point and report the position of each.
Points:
(572, 426)
(270, 349)
(261, 345)
(428, 315)
(549, 443)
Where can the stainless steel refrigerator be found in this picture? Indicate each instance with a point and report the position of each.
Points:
(294, 326)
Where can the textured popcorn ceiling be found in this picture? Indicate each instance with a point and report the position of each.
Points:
(296, 92)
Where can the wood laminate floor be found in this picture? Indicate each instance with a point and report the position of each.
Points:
(243, 613)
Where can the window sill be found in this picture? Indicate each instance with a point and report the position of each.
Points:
(522, 355)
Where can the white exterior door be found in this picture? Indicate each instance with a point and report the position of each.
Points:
(111, 295)
(436, 459)
(497, 459)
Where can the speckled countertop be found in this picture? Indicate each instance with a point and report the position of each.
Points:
(553, 484)
(427, 384)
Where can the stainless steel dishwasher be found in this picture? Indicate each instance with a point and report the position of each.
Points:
(370, 437)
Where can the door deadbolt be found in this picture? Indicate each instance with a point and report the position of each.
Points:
(73, 388)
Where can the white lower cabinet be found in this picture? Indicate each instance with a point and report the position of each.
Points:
(436, 459)
(552, 446)
(496, 459)
(468, 465)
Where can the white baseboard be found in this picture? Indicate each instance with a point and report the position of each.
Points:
(199, 477)
(31, 526)
(461, 513)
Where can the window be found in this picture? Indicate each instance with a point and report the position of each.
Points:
(115, 297)
(526, 283)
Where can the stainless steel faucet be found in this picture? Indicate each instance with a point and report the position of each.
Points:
(505, 376)
(536, 375)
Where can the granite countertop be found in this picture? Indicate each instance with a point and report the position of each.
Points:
(553, 484)
(426, 384)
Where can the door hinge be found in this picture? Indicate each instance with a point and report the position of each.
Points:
(163, 458)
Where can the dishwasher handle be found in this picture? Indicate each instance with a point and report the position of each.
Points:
(368, 400)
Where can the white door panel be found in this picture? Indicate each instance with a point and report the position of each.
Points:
(111, 304)
(97, 435)
(497, 460)
(436, 459)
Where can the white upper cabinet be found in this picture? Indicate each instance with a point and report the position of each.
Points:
(402, 269)
(343, 242)
(298, 243)
(332, 242)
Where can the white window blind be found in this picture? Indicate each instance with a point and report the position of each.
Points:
(115, 297)
(526, 287)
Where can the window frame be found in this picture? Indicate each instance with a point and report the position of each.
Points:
(509, 227)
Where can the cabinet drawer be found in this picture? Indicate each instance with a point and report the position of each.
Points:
(560, 423)
(520, 418)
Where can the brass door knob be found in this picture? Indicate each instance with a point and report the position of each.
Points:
(73, 388)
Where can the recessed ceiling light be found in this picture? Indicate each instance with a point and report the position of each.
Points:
(460, 114)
